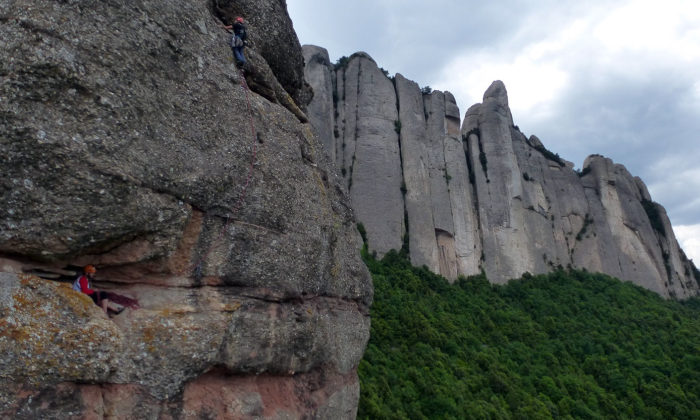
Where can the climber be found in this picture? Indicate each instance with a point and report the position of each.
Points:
(238, 40)
(101, 298)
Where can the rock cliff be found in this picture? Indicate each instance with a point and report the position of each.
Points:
(128, 140)
(483, 197)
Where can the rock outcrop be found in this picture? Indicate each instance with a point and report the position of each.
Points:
(129, 141)
(484, 197)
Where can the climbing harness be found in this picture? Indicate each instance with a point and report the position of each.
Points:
(196, 269)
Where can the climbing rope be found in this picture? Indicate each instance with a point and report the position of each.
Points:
(196, 269)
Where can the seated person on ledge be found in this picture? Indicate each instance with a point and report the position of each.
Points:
(101, 299)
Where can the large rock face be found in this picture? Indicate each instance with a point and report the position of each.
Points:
(128, 141)
(368, 152)
(485, 197)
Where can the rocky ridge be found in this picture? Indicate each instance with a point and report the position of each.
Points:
(482, 196)
(128, 140)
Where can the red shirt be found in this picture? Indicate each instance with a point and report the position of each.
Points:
(85, 285)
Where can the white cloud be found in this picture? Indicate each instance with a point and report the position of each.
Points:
(532, 83)
(689, 238)
(693, 103)
(668, 28)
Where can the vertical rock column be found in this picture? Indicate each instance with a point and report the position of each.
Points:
(346, 78)
(555, 205)
(422, 243)
(370, 160)
(498, 185)
(318, 72)
(436, 133)
(467, 243)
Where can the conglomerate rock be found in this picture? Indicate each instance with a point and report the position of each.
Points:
(487, 198)
(128, 140)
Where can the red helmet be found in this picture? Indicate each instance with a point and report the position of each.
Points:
(90, 269)
(239, 19)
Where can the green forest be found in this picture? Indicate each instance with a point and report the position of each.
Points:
(566, 345)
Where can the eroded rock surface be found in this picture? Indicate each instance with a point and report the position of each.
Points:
(129, 141)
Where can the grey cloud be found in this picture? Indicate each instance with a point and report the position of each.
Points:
(636, 124)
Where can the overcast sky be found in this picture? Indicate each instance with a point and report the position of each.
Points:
(617, 78)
